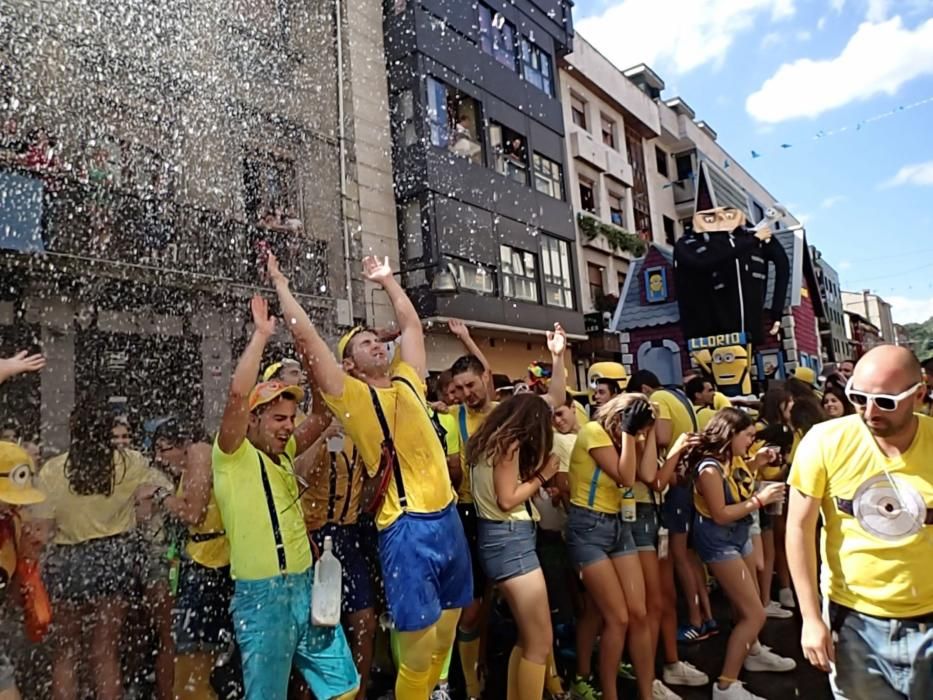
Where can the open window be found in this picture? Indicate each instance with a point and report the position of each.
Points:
(454, 118)
(511, 152)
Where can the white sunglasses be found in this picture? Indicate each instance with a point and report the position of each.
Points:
(886, 402)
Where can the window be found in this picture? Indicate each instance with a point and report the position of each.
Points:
(640, 197)
(578, 111)
(609, 130)
(555, 263)
(594, 276)
(270, 186)
(669, 231)
(621, 283)
(405, 118)
(661, 158)
(684, 166)
(454, 119)
(758, 212)
(548, 177)
(473, 277)
(587, 195)
(537, 67)
(616, 210)
(511, 153)
(497, 37)
(519, 274)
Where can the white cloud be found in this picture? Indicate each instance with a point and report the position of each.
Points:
(907, 310)
(837, 5)
(821, 24)
(693, 33)
(918, 174)
(878, 10)
(771, 39)
(830, 202)
(879, 58)
(844, 265)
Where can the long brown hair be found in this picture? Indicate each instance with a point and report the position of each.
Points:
(523, 418)
(90, 466)
(610, 415)
(716, 439)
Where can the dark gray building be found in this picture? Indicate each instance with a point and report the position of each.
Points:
(479, 160)
(835, 340)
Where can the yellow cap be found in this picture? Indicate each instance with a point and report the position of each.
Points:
(16, 476)
(265, 392)
(806, 375)
(271, 371)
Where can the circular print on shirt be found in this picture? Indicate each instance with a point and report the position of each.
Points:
(889, 508)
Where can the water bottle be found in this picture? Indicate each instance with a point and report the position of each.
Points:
(325, 595)
(629, 509)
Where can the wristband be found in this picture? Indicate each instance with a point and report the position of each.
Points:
(160, 495)
(541, 478)
(758, 501)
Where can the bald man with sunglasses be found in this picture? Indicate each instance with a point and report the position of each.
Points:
(871, 477)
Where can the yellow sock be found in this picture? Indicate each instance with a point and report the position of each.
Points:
(412, 685)
(193, 677)
(530, 681)
(551, 678)
(515, 659)
(468, 645)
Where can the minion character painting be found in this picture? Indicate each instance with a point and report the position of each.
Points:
(727, 357)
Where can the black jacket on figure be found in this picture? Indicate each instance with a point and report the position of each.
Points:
(722, 279)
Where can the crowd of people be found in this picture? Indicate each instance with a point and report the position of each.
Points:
(452, 499)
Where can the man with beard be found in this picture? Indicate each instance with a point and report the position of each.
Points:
(870, 477)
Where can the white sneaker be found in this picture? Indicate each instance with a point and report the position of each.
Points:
(682, 673)
(767, 660)
(786, 596)
(736, 691)
(442, 692)
(659, 691)
(774, 610)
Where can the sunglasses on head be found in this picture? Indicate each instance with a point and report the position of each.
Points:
(885, 402)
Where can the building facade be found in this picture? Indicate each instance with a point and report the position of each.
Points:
(152, 155)
(480, 173)
(863, 334)
(873, 308)
(836, 346)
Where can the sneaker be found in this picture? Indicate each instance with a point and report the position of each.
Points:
(767, 660)
(442, 692)
(786, 597)
(683, 673)
(775, 611)
(736, 691)
(626, 671)
(689, 633)
(583, 689)
(659, 691)
(710, 628)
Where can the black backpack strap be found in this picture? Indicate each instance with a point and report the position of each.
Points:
(390, 443)
(273, 515)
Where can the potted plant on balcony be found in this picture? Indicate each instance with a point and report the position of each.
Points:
(616, 237)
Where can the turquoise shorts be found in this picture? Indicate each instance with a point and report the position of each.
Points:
(272, 620)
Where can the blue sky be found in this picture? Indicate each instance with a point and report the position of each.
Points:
(764, 73)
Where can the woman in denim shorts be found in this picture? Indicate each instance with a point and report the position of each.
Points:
(510, 459)
(601, 543)
(724, 501)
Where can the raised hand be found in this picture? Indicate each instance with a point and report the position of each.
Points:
(636, 416)
(458, 328)
(265, 324)
(375, 270)
(275, 274)
(557, 340)
(20, 363)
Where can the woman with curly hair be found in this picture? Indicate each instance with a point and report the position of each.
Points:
(510, 459)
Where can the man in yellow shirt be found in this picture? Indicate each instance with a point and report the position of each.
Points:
(256, 486)
(870, 476)
(422, 547)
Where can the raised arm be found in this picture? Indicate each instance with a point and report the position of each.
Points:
(411, 340)
(460, 329)
(648, 462)
(314, 425)
(710, 485)
(318, 360)
(20, 363)
(557, 344)
(235, 420)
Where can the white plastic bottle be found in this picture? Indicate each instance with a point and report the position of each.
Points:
(629, 509)
(326, 592)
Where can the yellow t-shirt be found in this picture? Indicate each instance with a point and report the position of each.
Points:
(82, 518)
(238, 488)
(563, 448)
(468, 422)
(207, 542)
(452, 438)
(876, 550)
(704, 416)
(484, 496)
(590, 487)
(335, 487)
(720, 401)
(675, 410)
(737, 478)
(421, 456)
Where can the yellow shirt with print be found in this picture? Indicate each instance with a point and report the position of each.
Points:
(590, 487)
(81, 518)
(335, 488)
(421, 456)
(737, 478)
(881, 565)
(474, 420)
(240, 495)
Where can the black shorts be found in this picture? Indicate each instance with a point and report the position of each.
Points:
(468, 517)
(87, 571)
(201, 617)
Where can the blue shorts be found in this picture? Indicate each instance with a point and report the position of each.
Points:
(677, 510)
(645, 527)
(594, 536)
(715, 543)
(272, 620)
(425, 568)
(201, 615)
(507, 549)
(354, 556)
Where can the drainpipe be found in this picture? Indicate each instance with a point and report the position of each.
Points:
(342, 142)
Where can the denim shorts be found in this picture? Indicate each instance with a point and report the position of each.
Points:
(81, 573)
(351, 550)
(645, 527)
(593, 536)
(507, 549)
(716, 543)
(201, 616)
(677, 511)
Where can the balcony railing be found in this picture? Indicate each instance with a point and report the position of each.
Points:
(100, 230)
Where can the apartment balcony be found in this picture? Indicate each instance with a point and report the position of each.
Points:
(598, 155)
(684, 196)
(60, 226)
